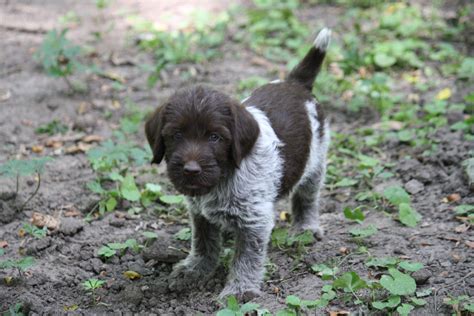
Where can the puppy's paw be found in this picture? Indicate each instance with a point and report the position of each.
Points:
(189, 273)
(243, 292)
(316, 229)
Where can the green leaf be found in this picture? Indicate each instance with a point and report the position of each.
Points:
(117, 246)
(398, 283)
(129, 189)
(303, 239)
(364, 232)
(418, 301)
(392, 302)
(133, 244)
(324, 271)
(155, 188)
(150, 235)
(232, 303)
(2, 251)
(95, 187)
(279, 236)
(25, 263)
(410, 266)
(293, 301)
(183, 234)
(172, 199)
(346, 182)
(407, 215)
(13, 168)
(110, 204)
(382, 262)
(93, 284)
(367, 161)
(349, 282)
(466, 70)
(463, 209)
(383, 60)
(226, 312)
(355, 215)
(396, 195)
(249, 307)
(106, 252)
(404, 309)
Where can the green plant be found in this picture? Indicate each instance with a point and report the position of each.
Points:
(181, 46)
(92, 285)
(398, 197)
(183, 234)
(460, 304)
(34, 231)
(59, 56)
(111, 249)
(15, 310)
(273, 30)
(53, 127)
(20, 265)
(234, 309)
(18, 168)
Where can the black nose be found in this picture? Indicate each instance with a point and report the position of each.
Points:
(192, 168)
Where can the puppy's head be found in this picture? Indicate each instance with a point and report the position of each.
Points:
(203, 135)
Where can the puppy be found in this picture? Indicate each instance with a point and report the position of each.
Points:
(235, 160)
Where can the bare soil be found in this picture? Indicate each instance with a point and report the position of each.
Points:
(68, 257)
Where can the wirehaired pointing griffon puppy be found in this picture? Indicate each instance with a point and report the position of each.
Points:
(235, 160)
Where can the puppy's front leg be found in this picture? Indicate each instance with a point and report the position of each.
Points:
(247, 271)
(202, 259)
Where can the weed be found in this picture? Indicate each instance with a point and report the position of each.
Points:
(60, 57)
(52, 128)
(34, 231)
(176, 47)
(92, 285)
(112, 249)
(20, 265)
(234, 309)
(18, 168)
(460, 304)
(15, 310)
(273, 30)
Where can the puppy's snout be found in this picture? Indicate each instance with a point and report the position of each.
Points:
(192, 168)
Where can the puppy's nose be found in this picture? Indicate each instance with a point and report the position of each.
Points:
(192, 168)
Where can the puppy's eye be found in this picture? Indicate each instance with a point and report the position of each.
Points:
(214, 138)
(178, 136)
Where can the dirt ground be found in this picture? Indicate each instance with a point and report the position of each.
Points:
(68, 257)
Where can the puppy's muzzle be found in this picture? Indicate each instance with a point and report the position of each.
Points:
(192, 168)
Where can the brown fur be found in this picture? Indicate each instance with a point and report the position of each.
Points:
(180, 132)
(283, 103)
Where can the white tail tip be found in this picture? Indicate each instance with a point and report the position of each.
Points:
(322, 40)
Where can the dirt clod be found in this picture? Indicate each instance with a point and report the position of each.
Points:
(70, 226)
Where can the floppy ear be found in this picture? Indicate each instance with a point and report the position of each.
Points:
(153, 127)
(245, 132)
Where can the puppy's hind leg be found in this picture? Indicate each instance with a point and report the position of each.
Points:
(305, 203)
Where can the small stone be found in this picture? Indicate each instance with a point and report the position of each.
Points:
(414, 186)
(423, 176)
(117, 222)
(421, 276)
(70, 226)
(132, 294)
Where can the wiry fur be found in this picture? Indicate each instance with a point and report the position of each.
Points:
(273, 146)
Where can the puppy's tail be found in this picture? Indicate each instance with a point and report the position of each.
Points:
(306, 71)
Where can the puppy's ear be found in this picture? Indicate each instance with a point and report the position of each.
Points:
(153, 127)
(245, 132)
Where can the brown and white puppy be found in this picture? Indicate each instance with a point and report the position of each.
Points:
(235, 160)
